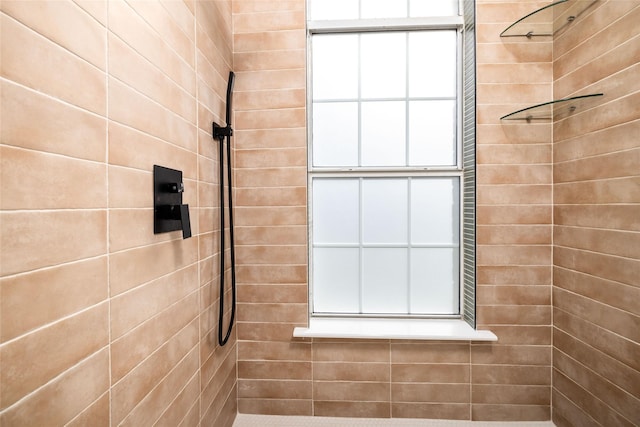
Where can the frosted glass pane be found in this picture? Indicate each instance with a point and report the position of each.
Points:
(335, 66)
(383, 9)
(435, 280)
(432, 133)
(335, 211)
(385, 280)
(432, 63)
(422, 8)
(384, 211)
(383, 133)
(435, 211)
(335, 134)
(336, 281)
(333, 9)
(383, 65)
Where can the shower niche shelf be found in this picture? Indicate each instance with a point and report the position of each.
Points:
(549, 19)
(553, 110)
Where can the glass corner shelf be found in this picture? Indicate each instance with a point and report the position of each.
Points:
(548, 20)
(554, 110)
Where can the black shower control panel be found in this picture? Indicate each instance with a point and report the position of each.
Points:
(169, 214)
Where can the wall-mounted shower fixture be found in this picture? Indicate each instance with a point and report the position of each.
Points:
(169, 214)
(220, 133)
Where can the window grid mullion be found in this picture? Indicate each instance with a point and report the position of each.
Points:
(360, 247)
(359, 100)
(407, 153)
(408, 98)
(407, 48)
(387, 245)
(409, 245)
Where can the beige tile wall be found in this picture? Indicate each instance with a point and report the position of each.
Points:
(278, 375)
(596, 294)
(102, 322)
(511, 380)
(271, 219)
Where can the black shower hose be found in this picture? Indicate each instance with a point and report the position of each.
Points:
(223, 340)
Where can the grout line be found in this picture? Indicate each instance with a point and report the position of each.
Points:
(604, 254)
(605, 180)
(40, 151)
(595, 36)
(136, 16)
(552, 242)
(584, 273)
(55, 266)
(592, 300)
(313, 379)
(158, 385)
(594, 325)
(72, 420)
(390, 344)
(177, 396)
(587, 227)
(55, 43)
(599, 156)
(198, 183)
(108, 254)
(589, 391)
(51, 382)
(163, 344)
(589, 368)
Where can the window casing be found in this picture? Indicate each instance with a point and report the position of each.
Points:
(386, 172)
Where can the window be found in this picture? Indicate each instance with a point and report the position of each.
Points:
(388, 171)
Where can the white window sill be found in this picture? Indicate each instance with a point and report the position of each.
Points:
(404, 329)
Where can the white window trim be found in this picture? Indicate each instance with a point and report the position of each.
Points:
(400, 24)
(385, 328)
(362, 327)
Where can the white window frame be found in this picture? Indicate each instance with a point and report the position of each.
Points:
(326, 325)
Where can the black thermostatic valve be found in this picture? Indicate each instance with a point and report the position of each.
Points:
(169, 214)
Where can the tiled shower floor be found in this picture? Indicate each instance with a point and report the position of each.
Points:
(247, 420)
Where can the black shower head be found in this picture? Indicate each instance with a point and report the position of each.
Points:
(232, 78)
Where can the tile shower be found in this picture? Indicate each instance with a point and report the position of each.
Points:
(104, 323)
